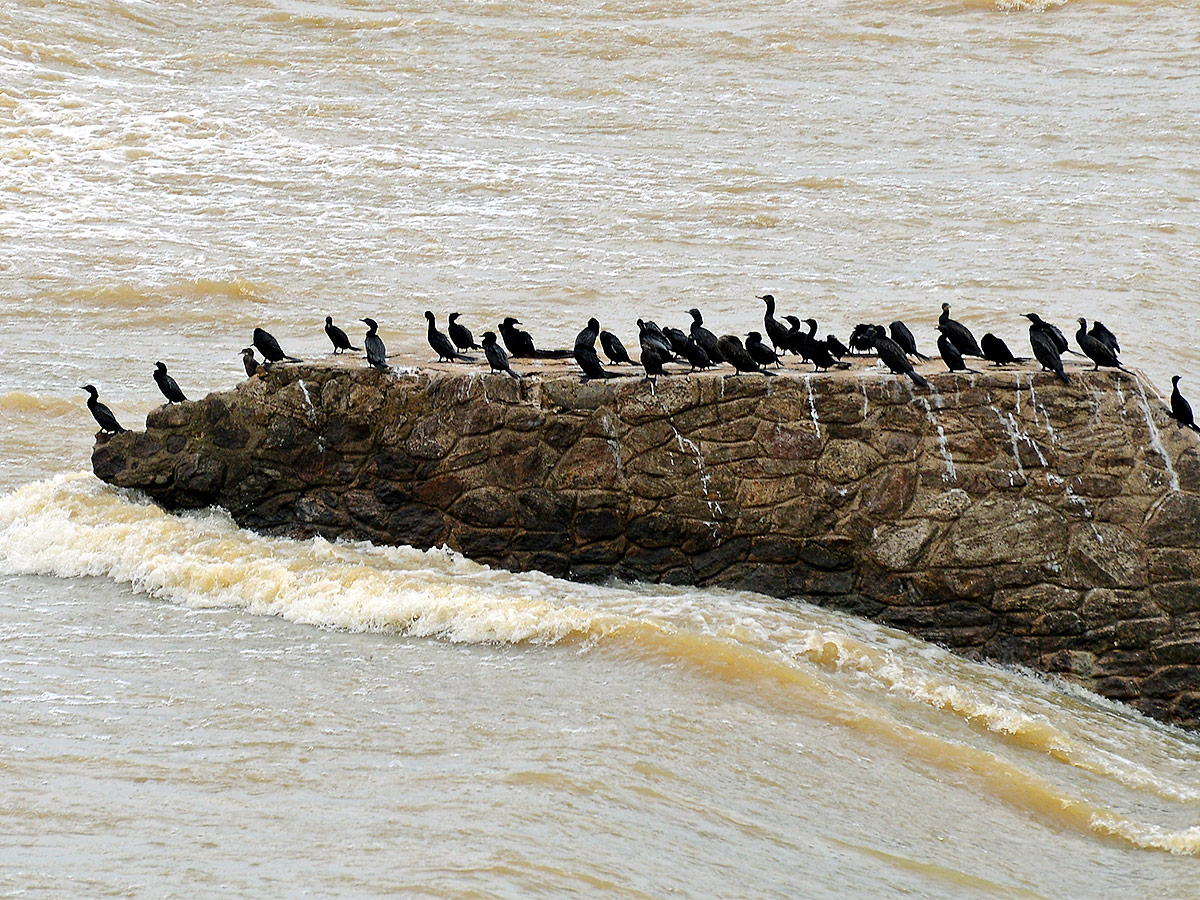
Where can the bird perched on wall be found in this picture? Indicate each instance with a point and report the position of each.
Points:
(732, 352)
(797, 340)
(441, 344)
(338, 338)
(1104, 336)
(269, 348)
(101, 413)
(959, 334)
(695, 356)
(892, 355)
(835, 347)
(777, 332)
(614, 349)
(705, 338)
(1096, 350)
(677, 338)
(166, 384)
(1181, 410)
(949, 352)
(586, 356)
(818, 351)
(648, 331)
(862, 338)
(496, 357)
(905, 340)
(376, 351)
(460, 334)
(996, 351)
(252, 365)
(520, 343)
(1052, 332)
(654, 353)
(1045, 346)
(760, 352)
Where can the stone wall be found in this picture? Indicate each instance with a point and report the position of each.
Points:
(1003, 515)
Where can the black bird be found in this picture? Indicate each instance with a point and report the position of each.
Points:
(732, 352)
(460, 334)
(677, 338)
(959, 334)
(648, 331)
(338, 337)
(1104, 336)
(167, 384)
(495, 354)
(777, 332)
(654, 355)
(696, 356)
(760, 352)
(614, 349)
(797, 340)
(996, 351)
(376, 352)
(101, 413)
(586, 356)
(252, 365)
(1096, 350)
(520, 343)
(818, 351)
(893, 356)
(1052, 332)
(441, 344)
(835, 347)
(1181, 410)
(950, 355)
(1045, 347)
(902, 336)
(269, 348)
(587, 337)
(862, 338)
(705, 338)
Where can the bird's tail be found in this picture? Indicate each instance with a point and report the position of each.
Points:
(1062, 376)
(921, 356)
(553, 354)
(465, 357)
(356, 349)
(291, 359)
(919, 379)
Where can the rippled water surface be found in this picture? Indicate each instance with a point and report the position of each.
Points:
(187, 709)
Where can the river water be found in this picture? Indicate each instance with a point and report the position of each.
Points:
(190, 710)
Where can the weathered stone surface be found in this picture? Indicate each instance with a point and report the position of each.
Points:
(1038, 525)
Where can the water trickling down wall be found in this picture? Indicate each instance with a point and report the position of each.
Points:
(1002, 515)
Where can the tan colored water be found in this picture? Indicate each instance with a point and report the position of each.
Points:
(189, 710)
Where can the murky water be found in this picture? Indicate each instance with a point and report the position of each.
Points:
(191, 710)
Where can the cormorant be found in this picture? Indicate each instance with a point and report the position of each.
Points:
(760, 352)
(614, 349)
(1045, 347)
(648, 331)
(950, 355)
(460, 334)
(818, 351)
(495, 354)
(101, 413)
(705, 338)
(696, 356)
(586, 356)
(1096, 350)
(1057, 338)
(520, 343)
(862, 338)
(959, 334)
(654, 354)
(732, 352)
(797, 340)
(1181, 410)
(996, 351)
(441, 344)
(338, 337)
(269, 348)
(677, 338)
(893, 356)
(904, 338)
(1104, 336)
(252, 365)
(777, 332)
(167, 384)
(835, 347)
(376, 352)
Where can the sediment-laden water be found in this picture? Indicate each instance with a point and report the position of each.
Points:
(187, 709)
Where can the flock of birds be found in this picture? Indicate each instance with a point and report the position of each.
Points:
(700, 349)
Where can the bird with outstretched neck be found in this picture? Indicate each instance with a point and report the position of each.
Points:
(892, 354)
(460, 334)
(269, 348)
(817, 352)
(586, 356)
(440, 344)
(1045, 346)
(1052, 332)
(732, 351)
(777, 332)
(959, 334)
(1181, 410)
(376, 351)
(705, 338)
(102, 414)
(167, 384)
(338, 338)
(496, 357)
(1096, 350)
